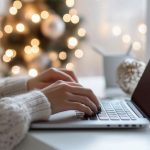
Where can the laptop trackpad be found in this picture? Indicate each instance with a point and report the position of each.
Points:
(66, 116)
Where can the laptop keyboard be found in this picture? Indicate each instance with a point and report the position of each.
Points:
(113, 111)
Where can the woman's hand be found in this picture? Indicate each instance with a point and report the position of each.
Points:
(50, 76)
(71, 96)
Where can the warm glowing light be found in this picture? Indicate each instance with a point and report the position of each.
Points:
(14, 53)
(36, 18)
(6, 59)
(13, 10)
(35, 42)
(137, 45)
(35, 49)
(44, 14)
(15, 69)
(72, 42)
(1, 34)
(75, 19)
(33, 72)
(20, 27)
(17, 4)
(81, 32)
(142, 28)
(56, 63)
(126, 38)
(66, 18)
(72, 11)
(8, 29)
(9, 53)
(62, 55)
(53, 56)
(27, 50)
(70, 66)
(116, 30)
(79, 53)
(70, 3)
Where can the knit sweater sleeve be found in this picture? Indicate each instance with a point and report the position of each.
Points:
(13, 85)
(16, 114)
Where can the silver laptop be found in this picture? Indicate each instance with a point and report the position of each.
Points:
(115, 113)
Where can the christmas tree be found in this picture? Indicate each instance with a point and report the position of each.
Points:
(37, 34)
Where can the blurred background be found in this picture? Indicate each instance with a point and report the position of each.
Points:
(37, 34)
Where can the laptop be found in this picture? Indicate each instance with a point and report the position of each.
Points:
(115, 113)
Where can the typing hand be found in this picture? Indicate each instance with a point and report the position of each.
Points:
(71, 96)
(50, 76)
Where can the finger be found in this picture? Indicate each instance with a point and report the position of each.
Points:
(55, 74)
(84, 100)
(73, 84)
(84, 92)
(80, 107)
(70, 73)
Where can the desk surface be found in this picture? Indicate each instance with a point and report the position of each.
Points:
(104, 139)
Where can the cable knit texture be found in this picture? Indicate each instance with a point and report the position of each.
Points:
(12, 86)
(17, 112)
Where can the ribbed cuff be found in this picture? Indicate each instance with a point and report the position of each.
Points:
(37, 104)
(13, 86)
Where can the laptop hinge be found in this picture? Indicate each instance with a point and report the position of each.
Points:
(136, 109)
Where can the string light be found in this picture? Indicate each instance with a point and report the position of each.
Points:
(35, 42)
(72, 42)
(27, 50)
(17, 4)
(6, 59)
(126, 38)
(13, 10)
(14, 53)
(33, 72)
(66, 18)
(81, 32)
(142, 28)
(137, 46)
(15, 69)
(1, 34)
(8, 29)
(116, 30)
(44, 14)
(62, 55)
(56, 63)
(20, 27)
(53, 56)
(36, 18)
(35, 49)
(9, 53)
(79, 53)
(75, 19)
(70, 66)
(70, 3)
(72, 11)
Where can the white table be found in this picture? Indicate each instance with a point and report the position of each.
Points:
(99, 139)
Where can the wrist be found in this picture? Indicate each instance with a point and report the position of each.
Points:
(29, 84)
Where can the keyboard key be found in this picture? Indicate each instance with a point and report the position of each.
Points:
(124, 118)
(103, 116)
(114, 118)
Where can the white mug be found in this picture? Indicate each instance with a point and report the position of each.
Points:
(110, 65)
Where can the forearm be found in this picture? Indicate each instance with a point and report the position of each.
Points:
(13, 86)
(16, 114)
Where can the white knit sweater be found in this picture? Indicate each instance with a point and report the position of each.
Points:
(18, 110)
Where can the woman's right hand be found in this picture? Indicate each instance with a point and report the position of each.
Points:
(71, 96)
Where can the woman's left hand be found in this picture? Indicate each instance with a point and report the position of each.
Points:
(50, 76)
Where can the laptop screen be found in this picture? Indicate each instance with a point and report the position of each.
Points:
(141, 95)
